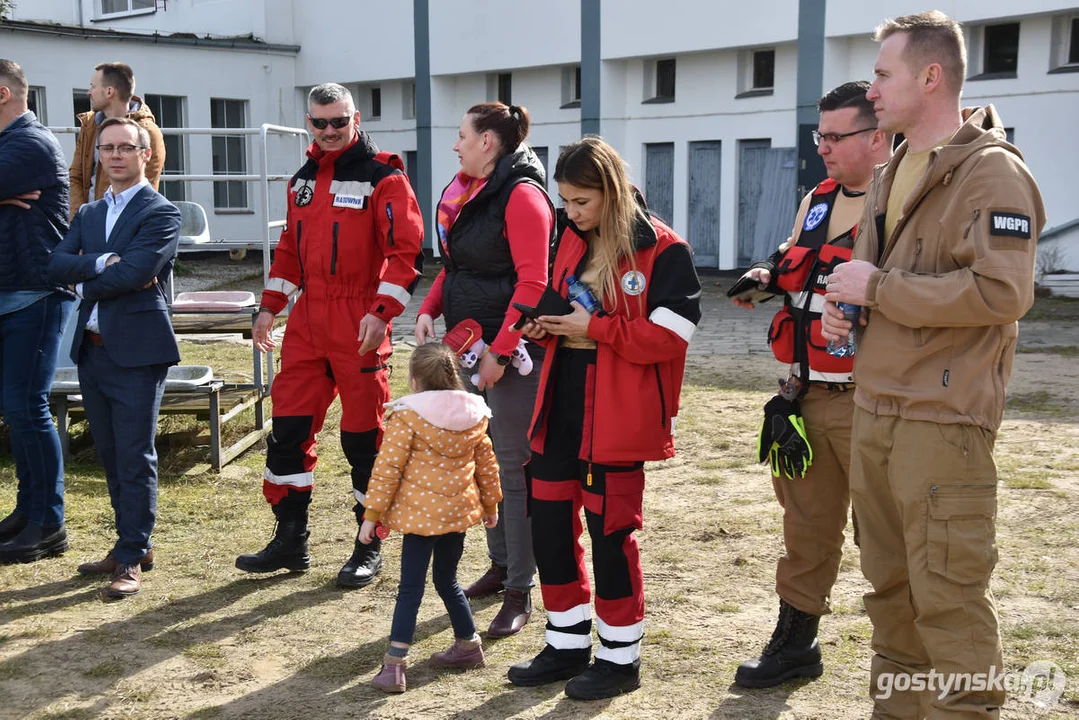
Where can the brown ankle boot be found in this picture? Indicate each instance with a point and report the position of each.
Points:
(488, 584)
(391, 677)
(514, 614)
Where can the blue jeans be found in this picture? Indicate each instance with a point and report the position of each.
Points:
(29, 343)
(416, 551)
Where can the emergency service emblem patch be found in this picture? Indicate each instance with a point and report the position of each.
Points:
(815, 216)
(305, 192)
(1013, 224)
(633, 282)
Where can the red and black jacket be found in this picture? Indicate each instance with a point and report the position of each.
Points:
(641, 337)
(354, 230)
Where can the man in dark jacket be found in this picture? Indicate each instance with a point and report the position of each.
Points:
(33, 219)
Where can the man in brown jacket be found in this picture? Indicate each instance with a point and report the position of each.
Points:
(943, 267)
(112, 95)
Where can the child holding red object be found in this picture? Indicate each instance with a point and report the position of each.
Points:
(436, 475)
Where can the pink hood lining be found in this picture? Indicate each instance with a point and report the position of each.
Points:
(453, 410)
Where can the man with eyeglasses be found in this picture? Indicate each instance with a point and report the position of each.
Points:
(809, 421)
(119, 255)
(352, 249)
(33, 309)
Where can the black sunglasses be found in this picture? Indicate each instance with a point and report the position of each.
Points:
(337, 122)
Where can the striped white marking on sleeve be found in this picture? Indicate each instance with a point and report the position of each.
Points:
(282, 286)
(361, 498)
(397, 292)
(667, 318)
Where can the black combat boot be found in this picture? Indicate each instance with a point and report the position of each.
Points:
(288, 547)
(604, 679)
(793, 652)
(366, 562)
(551, 665)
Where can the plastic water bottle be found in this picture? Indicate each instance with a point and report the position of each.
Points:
(847, 348)
(579, 291)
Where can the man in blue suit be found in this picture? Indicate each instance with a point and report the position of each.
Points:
(119, 254)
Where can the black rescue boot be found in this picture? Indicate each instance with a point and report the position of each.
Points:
(793, 652)
(288, 547)
(604, 679)
(549, 666)
(364, 565)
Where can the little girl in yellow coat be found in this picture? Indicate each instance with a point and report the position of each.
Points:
(435, 476)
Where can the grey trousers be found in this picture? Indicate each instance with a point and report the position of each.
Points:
(511, 400)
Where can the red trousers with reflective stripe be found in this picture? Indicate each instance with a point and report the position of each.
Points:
(561, 483)
(319, 360)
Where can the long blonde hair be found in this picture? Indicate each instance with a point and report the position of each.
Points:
(592, 164)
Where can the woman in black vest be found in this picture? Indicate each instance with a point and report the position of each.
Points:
(495, 224)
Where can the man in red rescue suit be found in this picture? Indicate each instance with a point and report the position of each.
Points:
(807, 427)
(352, 245)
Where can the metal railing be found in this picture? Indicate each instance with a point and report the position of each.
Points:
(263, 177)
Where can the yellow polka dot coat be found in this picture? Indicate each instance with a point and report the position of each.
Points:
(436, 472)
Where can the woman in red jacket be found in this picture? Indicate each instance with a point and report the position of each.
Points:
(607, 402)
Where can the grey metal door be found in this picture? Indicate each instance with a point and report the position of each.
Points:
(659, 180)
(767, 178)
(704, 169)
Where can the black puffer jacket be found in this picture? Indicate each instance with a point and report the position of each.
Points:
(30, 159)
(480, 274)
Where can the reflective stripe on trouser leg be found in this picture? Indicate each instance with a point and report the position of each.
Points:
(616, 560)
(302, 391)
(364, 386)
(555, 507)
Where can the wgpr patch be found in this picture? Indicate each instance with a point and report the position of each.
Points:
(1010, 224)
(305, 192)
(633, 282)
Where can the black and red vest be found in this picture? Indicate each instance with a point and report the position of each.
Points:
(802, 274)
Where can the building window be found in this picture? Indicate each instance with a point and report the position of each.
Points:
(128, 7)
(659, 81)
(35, 101)
(571, 87)
(764, 69)
(81, 102)
(1073, 44)
(505, 88)
(1001, 49)
(409, 110)
(376, 103)
(1064, 39)
(756, 72)
(229, 153)
(168, 110)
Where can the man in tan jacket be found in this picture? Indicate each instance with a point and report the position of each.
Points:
(943, 267)
(112, 95)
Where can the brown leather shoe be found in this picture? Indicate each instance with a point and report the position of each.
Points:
(126, 581)
(514, 614)
(488, 584)
(108, 564)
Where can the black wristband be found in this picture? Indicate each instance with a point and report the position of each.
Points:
(502, 360)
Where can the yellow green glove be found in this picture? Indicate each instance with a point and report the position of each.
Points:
(782, 440)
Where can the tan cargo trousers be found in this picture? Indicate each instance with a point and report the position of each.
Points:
(926, 499)
(815, 506)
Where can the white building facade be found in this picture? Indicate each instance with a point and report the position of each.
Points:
(698, 96)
